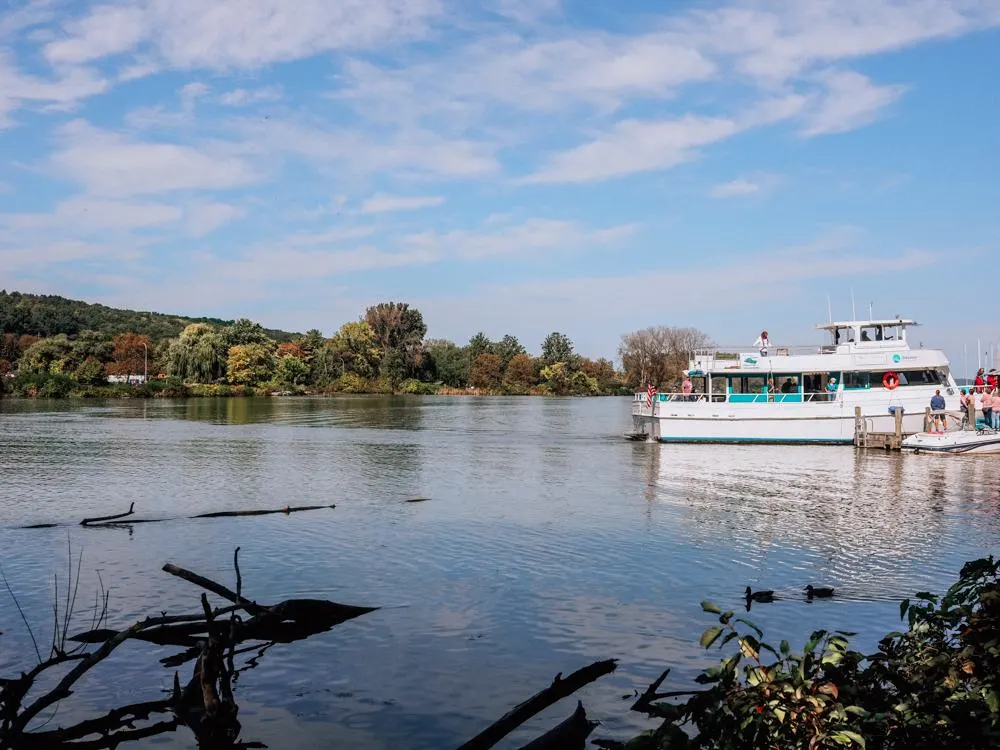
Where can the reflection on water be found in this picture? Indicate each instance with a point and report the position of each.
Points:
(547, 542)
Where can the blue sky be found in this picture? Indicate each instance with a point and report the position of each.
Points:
(510, 165)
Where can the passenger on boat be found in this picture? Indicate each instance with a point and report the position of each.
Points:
(987, 404)
(980, 380)
(763, 343)
(938, 409)
(996, 409)
(686, 386)
(993, 380)
(788, 386)
(831, 388)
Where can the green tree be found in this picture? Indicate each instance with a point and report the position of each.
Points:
(560, 380)
(198, 356)
(603, 372)
(486, 371)
(250, 364)
(244, 331)
(292, 371)
(91, 344)
(448, 362)
(480, 344)
(356, 346)
(47, 355)
(310, 342)
(398, 326)
(507, 348)
(90, 372)
(557, 347)
(392, 368)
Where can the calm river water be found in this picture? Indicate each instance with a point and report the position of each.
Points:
(546, 542)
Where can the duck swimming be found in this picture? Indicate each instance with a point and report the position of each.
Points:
(819, 592)
(759, 596)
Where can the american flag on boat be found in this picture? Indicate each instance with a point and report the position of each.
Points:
(650, 392)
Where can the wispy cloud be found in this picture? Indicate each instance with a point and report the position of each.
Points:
(113, 164)
(851, 101)
(381, 203)
(224, 35)
(756, 184)
(246, 97)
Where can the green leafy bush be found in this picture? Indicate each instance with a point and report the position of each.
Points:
(931, 687)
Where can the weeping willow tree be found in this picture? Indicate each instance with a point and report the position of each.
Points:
(198, 356)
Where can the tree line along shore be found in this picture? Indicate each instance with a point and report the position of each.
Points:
(52, 347)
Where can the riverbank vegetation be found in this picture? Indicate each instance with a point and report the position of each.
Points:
(51, 347)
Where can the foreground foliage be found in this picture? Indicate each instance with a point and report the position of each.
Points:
(934, 685)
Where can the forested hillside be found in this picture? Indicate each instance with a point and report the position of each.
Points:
(49, 315)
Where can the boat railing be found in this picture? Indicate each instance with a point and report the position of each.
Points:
(641, 400)
(720, 356)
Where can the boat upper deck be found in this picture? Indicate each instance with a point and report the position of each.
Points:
(852, 345)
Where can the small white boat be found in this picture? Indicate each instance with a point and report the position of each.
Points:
(958, 441)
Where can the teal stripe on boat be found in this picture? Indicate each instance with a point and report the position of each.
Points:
(787, 441)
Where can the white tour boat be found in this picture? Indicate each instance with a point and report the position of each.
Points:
(786, 394)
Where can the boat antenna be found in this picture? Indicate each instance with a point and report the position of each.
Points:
(966, 348)
(829, 308)
(871, 315)
(979, 353)
(854, 313)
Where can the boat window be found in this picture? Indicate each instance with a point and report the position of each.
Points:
(787, 383)
(748, 384)
(814, 386)
(872, 333)
(857, 379)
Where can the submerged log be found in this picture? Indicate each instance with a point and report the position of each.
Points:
(116, 520)
(570, 734)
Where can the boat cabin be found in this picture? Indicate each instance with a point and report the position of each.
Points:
(867, 334)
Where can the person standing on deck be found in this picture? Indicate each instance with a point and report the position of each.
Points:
(988, 403)
(938, 410)
(763, 343)
(686, 386)
(996, 409)
(831, 388)
(980, 381)
(992, 380)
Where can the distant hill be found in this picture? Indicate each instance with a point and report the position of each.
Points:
(48, 315)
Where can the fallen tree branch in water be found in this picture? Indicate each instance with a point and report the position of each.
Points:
(114, 521)
(560, 688)
(206, 704)
(101, 519)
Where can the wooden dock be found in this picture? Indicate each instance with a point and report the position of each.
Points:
(890, 441)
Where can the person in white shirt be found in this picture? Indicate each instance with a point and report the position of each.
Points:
(763, 343)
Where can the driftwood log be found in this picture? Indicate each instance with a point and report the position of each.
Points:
(205, 704)
(118, 519)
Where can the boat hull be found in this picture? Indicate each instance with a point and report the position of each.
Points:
(830, 423)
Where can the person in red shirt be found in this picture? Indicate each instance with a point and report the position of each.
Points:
(980, 381)
(992, 380)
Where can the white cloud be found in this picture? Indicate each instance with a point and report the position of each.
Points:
(382, 203)
(636, 146)
(527, 238)
(203, 218)
(112, 164)
(228, 34)
(525, 11)
(403, 152)
(62, 92)
(82, 214)
(758, 184)
(331, 236)
(739, 186)
(246, 97)
(851, 101)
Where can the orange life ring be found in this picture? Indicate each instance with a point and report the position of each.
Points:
(890, 380)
